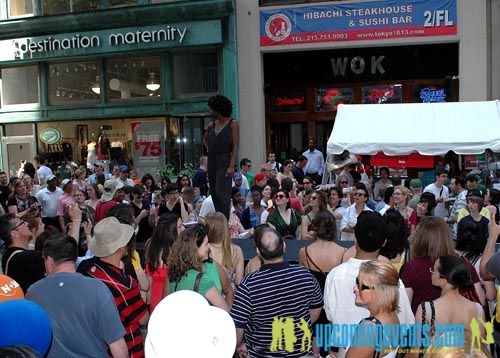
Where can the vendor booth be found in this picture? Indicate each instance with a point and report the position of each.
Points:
(425, 128)
(413, 131)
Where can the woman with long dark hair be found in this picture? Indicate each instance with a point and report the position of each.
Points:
(283, 218)
(318, 201)
(397, 247)
(451, 275)
(157, 249)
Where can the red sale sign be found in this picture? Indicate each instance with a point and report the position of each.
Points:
(149, 147)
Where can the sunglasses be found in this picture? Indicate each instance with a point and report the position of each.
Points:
(359, 194)
(314, 197)
(18, 225)
(431, 270)
(279, 196)
(342, 182)
(363, 287)
(306, 182)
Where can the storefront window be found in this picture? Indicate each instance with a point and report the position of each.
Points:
(53, 7)
(20, 8)
(73, 82)
(133, 77)
(195, 74)
(19, 85)
(163, 1)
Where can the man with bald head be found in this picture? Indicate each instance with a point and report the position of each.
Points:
(278, 299)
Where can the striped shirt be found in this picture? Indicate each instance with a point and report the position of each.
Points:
(277, 296)
(127, 297)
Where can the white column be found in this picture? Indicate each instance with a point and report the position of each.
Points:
(474, 59)
(251, 83)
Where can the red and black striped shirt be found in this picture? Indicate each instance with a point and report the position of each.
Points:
(127, 297)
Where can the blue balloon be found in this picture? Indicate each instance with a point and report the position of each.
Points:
(25, 322)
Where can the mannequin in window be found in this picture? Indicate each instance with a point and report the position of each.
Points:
(103, 146)
(91, 155)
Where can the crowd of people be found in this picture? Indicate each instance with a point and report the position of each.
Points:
(101, 250)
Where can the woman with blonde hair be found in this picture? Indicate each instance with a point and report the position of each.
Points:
(377, 289)
(400, 197)
(20, 202)
(222, 251)
(432, 239)
(189, 267)
(318, 201)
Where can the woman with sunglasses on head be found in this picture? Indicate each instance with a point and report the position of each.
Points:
(451, 275)
(189, 267)
(317, 202)
(350, 217)
(285, 220)
(19, 202)
(377, 289)
(156, 251)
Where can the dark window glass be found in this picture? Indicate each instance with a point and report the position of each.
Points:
(20, 8)
(133, 77)
(73, 82)
(195, 74)
(54, 7)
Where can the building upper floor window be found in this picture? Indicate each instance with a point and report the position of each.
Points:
(54, 7)
(195, 74)
(19, 85)
(74, 82)
(17, 8)
(133, 77)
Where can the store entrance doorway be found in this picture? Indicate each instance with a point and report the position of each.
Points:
(14, 150)
(288, 140)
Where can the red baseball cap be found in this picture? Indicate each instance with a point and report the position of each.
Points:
(259, 177)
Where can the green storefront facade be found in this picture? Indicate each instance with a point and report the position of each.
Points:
(79, 74)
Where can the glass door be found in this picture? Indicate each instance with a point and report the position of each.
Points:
(15, 150)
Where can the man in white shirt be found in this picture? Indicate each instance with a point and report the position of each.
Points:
(441, 193)
(43, 171)
(339, 300)
(315, 162)
(48, 199)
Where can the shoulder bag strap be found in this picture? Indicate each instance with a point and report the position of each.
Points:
(8, 260)
(197, 282)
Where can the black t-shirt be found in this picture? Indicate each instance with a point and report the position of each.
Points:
(4, 195)
(22, 205)
(298, 174)
(25, 267)
(200, 181)
(176, 209)
(145, 231)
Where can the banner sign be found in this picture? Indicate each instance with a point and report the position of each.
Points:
(290, 101)
(413, 160)
(431, 93)
(148, 141)
(362, 21)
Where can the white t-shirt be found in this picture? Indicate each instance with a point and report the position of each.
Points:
(43, 172)
(339, 299)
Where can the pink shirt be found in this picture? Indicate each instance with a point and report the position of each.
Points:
(63, 203)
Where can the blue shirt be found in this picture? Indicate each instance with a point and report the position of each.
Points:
(315, 162)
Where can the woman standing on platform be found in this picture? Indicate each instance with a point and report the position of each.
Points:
(221, 141)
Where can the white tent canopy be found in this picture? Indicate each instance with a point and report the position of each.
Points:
(427, 128)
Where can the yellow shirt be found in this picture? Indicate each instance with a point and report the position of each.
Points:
(464, 212)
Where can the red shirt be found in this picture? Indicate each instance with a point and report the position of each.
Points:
(102, 208)
(127, 297)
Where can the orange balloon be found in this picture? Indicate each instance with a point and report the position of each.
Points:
(9, 289)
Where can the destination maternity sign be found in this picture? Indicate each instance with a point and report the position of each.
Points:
(362, 21)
